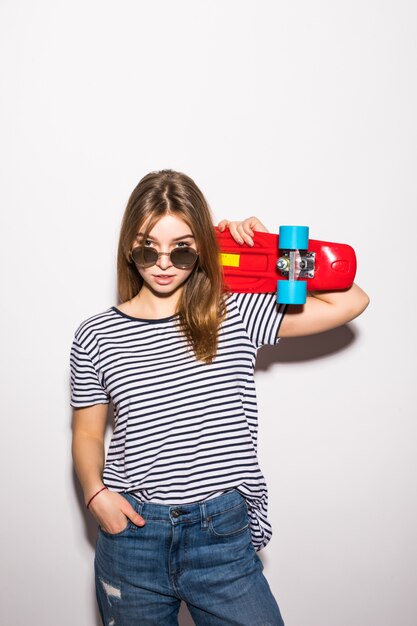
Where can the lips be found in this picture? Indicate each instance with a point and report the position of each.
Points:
(163, 279)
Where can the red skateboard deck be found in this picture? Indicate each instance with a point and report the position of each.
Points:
(254, 269)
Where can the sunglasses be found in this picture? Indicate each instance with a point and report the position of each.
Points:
(182, 258)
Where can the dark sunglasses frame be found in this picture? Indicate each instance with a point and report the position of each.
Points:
(147, 256)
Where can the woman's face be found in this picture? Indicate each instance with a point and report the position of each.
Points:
(168, 233)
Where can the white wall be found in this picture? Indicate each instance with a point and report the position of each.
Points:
(299, 112)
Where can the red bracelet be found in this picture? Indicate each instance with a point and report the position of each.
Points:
(92, 497)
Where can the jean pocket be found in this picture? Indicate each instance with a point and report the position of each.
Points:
(231, 522)
(130, 526)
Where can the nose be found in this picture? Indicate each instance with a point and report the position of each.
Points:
(164, 260)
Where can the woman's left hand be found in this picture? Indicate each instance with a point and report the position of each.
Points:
(242, 232)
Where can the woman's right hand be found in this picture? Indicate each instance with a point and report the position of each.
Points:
(243, 231)
(112, 511)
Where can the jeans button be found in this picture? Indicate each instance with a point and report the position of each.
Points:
(176, 512)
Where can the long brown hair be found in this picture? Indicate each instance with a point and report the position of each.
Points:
(201, 307)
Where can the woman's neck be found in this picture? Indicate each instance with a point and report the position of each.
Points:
(148, 305)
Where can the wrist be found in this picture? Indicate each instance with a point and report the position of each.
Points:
(93, 494)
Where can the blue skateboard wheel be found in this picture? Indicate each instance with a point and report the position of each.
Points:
(291, 292)
(293, 237)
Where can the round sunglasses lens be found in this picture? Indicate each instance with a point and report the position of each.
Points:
(145, 257)
(183, 258)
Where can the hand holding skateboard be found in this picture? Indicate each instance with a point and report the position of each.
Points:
(288, 263)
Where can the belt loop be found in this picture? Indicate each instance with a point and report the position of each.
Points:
(203, 509)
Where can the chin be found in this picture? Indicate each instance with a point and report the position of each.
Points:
(163, 290)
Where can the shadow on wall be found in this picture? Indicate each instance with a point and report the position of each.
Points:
(90, 529)
(294, 350)
(184, 617)
(301, 349)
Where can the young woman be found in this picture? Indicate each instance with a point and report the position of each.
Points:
(180, 500)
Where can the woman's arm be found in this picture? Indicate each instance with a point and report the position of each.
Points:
(323, 311)
(110, 509)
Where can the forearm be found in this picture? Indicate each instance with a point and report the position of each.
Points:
(351, 302)
(324, 310)
(88, 456)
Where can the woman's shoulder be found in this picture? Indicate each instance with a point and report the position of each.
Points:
(239, 299)
(95, 322)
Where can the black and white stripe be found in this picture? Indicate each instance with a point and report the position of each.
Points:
(185, 431)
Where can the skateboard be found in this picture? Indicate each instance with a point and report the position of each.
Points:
(289, 263)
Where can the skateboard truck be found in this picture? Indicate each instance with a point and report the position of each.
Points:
(302, 261)
(295, 262)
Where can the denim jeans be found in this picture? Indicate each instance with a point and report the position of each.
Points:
(200, 553)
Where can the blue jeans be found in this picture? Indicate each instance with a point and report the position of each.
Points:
(200, 553)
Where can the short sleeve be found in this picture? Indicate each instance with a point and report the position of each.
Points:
(86, 388)
(261, 316)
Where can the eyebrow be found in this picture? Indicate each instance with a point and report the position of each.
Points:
(190, 236)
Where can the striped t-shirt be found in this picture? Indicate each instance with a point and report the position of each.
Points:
(185, 431)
